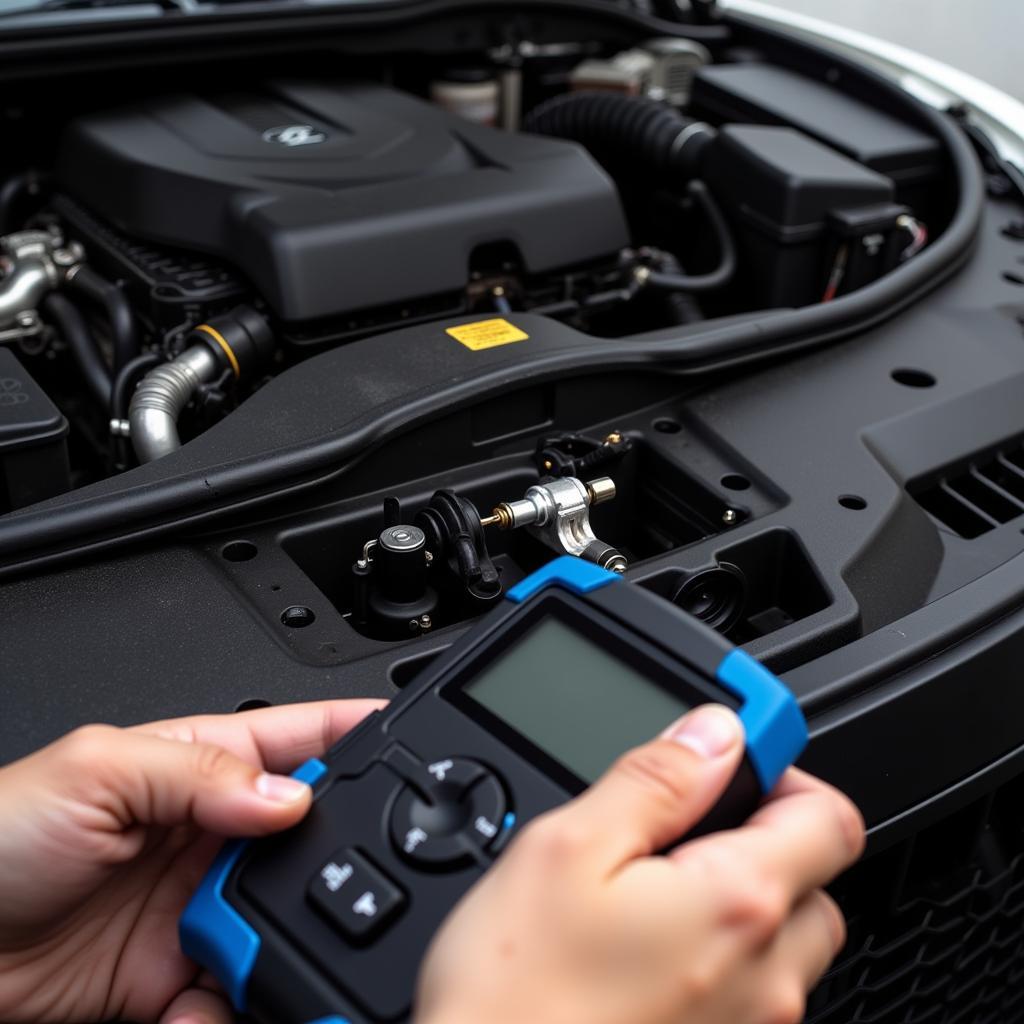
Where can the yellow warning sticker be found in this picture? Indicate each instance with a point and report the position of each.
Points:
(486, 334)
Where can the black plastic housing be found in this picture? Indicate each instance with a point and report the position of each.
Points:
(33, 449)
(386, 202)
(780, 187)
(766, 94)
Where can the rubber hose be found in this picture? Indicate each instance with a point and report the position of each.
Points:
(12, 193)
(625, 129)
(126, 378)
(723, 273)
(75, 332)
(681, 306)
(120, 319)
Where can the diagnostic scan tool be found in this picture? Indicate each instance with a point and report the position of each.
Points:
(328, 922)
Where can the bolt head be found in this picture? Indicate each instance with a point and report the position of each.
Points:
(730, 516)
(402, 538)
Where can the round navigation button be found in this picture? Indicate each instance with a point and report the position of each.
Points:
(429, 834)
(487, 808)
(457, 805)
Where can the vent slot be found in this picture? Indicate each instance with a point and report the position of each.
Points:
(984, 497)
(1007, 477)
(974, 499)
(951, 511)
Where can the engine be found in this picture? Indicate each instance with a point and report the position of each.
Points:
(339, 201)
(186, 248)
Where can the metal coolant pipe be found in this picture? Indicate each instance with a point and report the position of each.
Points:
(240, 341)
(162, 395)
(37, 262)
(25, 287)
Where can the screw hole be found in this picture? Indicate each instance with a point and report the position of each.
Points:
(298, 617)
(735, 482)
(853, 501)
(275, 587)
(252, 704)
(239, 551)
(667, 426)
(913, 378)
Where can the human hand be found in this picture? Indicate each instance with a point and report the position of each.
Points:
(581, 922)
(106, 834)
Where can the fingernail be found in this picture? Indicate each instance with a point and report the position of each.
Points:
(282, 789)
(711, 730)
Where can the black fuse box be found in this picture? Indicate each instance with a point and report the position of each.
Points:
(781, 189)
(762, 94)
(33, 445)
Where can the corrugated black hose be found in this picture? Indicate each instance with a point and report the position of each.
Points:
(626, 130)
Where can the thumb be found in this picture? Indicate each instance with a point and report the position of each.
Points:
(656, 793)
(197, 1006)
(148, 780)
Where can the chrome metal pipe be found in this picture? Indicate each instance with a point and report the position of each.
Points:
(160, 397)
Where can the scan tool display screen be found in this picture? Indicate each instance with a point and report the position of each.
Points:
(573, 698)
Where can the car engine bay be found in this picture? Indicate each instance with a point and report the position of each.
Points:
(309, 352)
(186, 249)
(458, 312)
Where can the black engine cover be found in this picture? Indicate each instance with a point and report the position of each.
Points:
(332, 198)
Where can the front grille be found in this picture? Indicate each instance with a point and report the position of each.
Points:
(936, 926)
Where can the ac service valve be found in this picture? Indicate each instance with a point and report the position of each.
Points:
(438, 560)
(329, 921)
